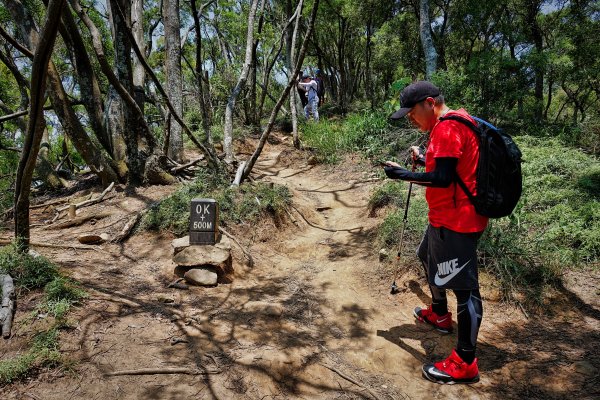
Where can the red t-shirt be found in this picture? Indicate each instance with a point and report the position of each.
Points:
(450, 207)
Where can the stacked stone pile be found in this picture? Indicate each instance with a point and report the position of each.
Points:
(204, 265)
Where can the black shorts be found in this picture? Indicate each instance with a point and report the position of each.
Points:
(450, 258)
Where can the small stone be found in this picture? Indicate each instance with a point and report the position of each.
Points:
(585, 368)
(204, 276)
(264, 308)
(224, 243)
(93, 239)
(165, 299)
(180, 244)
(383, 255)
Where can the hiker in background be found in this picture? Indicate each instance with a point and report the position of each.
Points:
(301, 92)
(448, 250)
(310, 85)
(320, 87)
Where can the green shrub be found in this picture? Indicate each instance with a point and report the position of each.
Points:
(390, 193)
(368, 133)
(27, 271)
(236, 205)
(390, 230)
(62, 288)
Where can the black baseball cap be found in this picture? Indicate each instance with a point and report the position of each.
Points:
(413, 94)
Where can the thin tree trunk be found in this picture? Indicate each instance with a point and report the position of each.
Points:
(88, 82)
(228, 129)
(291, 82)
(36, 123)
(112, 78)
(291, 66)
(139, 74)
(427, 40)
(62, 105)
(172, 26)
(131, 112)
(44, 168)
(252, 117)
(203, 92)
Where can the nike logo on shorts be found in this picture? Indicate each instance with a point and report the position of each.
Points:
(442, 281)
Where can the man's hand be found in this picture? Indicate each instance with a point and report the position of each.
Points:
(395, 171)
(390, 164)
(417, 156)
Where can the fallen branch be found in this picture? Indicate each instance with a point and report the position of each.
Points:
(88, 202)
(77, 221)
(47, 204)
(5, 242)
(164, 371)
(127, 229)
(346, 377)
(246, 253)
(184, 166)
(7, 306)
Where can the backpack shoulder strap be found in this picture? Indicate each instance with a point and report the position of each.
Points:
(474, 128)
(462, 120)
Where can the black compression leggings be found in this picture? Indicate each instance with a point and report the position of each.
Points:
(469, 314)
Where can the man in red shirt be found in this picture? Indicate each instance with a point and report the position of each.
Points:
(448, 250)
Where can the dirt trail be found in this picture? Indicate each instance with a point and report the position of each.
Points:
(312, 315)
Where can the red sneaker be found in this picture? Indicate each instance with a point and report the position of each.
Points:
(442, 323)
(452, 370)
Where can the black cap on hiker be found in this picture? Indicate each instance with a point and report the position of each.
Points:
(413, 94)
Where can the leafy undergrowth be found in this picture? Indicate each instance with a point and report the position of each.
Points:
(368, 133)
(34, 272)
(244, 204)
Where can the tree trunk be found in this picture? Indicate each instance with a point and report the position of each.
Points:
(72, 126)
(290, 68)
(427, 40)
(62, 105)
(252, 118)
(538, 68)
(368, 80)
(124, 73)
(114, 117)
(88, 82)
(44, 168)
(228, 129)
(203, 92)
(172, 26)
(36, 123)
(139, 74)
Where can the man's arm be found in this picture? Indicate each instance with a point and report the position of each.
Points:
(442, 176)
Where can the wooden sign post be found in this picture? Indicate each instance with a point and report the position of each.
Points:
(204, 221)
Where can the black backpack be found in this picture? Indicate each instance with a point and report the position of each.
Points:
(320, 87)
(499, 181)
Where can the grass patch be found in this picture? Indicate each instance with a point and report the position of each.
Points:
(368, 133)
(60, 293)
(390, 193)
(27, 271)
(43, 353)
(391, 228)
(245, 204)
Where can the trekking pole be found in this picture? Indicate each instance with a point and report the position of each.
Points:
(404, 221)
